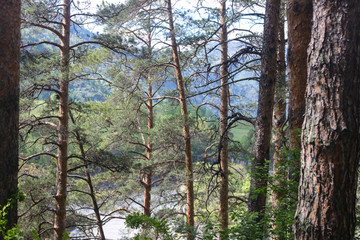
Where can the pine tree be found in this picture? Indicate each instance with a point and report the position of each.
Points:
(299, 30)
(224, 112)
(330, 139)
(259, 170)
(9, 104)
(190, 211)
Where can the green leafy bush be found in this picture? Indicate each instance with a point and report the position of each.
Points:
(13, 233)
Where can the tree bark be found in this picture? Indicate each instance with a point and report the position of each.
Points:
(330, 139)
(61, 174)
(299, 14)
(259, 177)
(186, 129)
(278, 122)
(148, 174)
(9, 103)
(224, 141)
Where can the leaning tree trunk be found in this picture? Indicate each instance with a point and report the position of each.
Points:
(61, 174)
(91, 189)
(88, 180)
(259, 171)
(299, 14)
(186, 129)
(9, 103)
(279, 120)
(331, 137)
(224, 141)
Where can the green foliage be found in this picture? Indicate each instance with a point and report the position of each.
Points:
(209, 231)
(286, 192)
(13, 233)
(35, 235)
(66, 236)
(39, 173)
(247, 227)
(158, 228)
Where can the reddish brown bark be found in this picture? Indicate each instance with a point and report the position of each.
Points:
(224, 141)
(330, 139)
(259, 178)
(278, 122)
(299, 13)
(9, 102)
(186, 129)
(147, 178)
(279, 115)
(61, 174)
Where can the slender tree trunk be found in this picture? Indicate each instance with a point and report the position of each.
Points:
(299, 13)
(259, 178)
(89, 182)
(61, 174)
(331, 129)
(279, 119)
(148, 175)
(150, 109)
(186, 129)
(9, 102)
(224, 141)
(96, 208)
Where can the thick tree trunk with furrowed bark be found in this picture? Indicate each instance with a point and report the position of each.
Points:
(9, 103)
(63, 134)
(299, 13)
(330, 138)
(259, 171)
(186, 130)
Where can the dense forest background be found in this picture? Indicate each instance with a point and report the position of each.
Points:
(209, 119)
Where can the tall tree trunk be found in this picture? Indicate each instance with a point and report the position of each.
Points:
(150, 109)
(279, 119)
(299, 13)
(61, 174)
(224, 141)
(9, 102)
(148, 174)
(186, 129)
(331, 129)
(259, 177)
